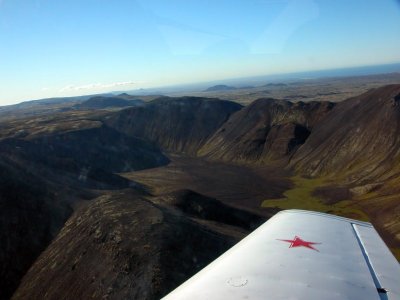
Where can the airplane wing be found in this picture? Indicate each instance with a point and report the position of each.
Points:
(300, 255)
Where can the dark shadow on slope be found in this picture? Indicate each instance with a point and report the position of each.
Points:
(30, 216)
(208, 208)
(301, 133)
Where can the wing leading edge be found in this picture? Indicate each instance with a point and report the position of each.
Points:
(300, 255)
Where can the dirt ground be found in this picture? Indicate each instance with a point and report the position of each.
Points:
(243, 187)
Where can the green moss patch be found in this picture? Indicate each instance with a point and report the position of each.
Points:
(301, 196)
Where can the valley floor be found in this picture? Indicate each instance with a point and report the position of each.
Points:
(240, 186)
(262, 190)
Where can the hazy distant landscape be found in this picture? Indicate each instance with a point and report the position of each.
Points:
(334, 89)
(126, 196)
(242, 91)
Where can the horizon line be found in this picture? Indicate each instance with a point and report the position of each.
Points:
(183, 84)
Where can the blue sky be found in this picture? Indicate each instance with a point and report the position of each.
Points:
(62, 48)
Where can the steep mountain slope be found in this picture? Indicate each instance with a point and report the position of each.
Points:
(175, 124)
(265, 130)
(45, 173)
(359, 137)
(30, 216)
(122, 246)
(89, 155)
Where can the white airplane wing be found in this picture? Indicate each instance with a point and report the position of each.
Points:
(300, 255)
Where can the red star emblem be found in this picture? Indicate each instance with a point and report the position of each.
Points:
(298, 242)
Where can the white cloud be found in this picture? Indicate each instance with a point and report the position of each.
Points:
(97, 86)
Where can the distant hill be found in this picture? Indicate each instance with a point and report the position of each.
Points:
(275, 85)
(219, 88)
(48, 101)
(126, 96)
(43, 106)
(247, 87)
(101, 102)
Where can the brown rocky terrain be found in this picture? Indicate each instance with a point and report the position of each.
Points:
(359, 137)
(151, 194)
(123, 246)
(45, 173)
(265, 130)
(239, 186)
(100, 148)
(175, 124)
(30, 216)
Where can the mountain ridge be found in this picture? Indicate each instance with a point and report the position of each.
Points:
(175, 124)
(367, 135)
(266, 130)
